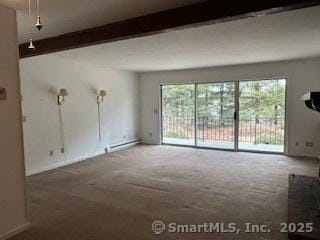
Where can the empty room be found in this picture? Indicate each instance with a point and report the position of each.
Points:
(164, 119)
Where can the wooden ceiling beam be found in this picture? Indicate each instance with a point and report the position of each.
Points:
(209, 12)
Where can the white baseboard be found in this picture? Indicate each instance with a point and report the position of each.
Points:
(121, 146)
(124, 145)
(15, 231)
(62, 164)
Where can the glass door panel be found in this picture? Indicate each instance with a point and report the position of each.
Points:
(178, 111)
(215, 115)
(262, 115)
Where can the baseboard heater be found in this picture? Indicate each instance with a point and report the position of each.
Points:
(120, 146)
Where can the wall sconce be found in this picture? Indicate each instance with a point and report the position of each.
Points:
(101, 95)
(62, 93)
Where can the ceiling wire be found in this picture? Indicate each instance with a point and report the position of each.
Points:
(30, 27)
(38, 7)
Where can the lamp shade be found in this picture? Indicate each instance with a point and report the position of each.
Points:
(63, 92)
(102, 93)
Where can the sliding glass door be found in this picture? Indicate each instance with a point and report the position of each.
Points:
(262, 115)
(178, 114)
(215, 115)
(243, 115)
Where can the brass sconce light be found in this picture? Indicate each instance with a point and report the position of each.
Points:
(62, 93)
(101, 95)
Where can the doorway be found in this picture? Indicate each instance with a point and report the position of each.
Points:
(238, 116)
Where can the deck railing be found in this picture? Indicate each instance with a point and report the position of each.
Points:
(251, 130)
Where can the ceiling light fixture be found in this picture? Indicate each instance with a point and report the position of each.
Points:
(38, 24)
(31, 46)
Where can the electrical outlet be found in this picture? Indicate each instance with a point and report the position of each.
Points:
(51, 153)
(309, 144)
(3, 94)
(62, 150)
(107, 149)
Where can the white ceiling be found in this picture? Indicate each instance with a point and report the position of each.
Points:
(282, 36)
(64, 16)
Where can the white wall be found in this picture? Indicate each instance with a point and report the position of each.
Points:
(13, 217)
(303, 76)
(42, 77)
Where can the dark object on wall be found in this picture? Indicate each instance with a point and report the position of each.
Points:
(304, 206)
(3, 94)
(312, 100)
(208, 12)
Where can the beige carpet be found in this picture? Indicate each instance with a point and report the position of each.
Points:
(120, 195)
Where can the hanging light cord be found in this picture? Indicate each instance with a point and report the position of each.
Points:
(38, 7)
(100, 135)
(30, 20)
(99, 122)
(61, 127)
(62, 132)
